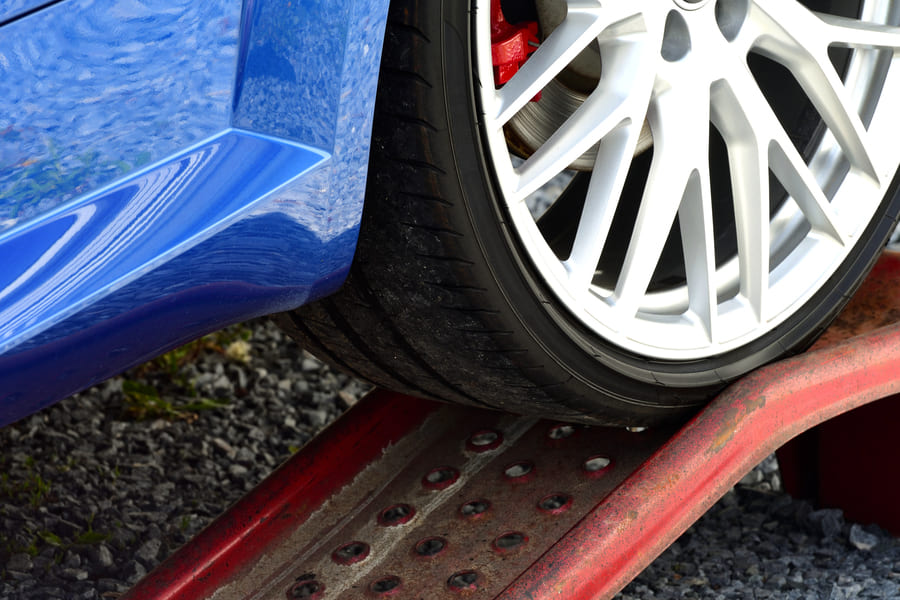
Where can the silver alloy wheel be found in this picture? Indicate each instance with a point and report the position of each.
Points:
(681, 66)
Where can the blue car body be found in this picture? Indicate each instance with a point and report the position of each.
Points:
(168, 167)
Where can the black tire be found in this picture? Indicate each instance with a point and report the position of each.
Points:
(441, 301)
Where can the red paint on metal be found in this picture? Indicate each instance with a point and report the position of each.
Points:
(748, 421)
(285, 499)
(395, 478)
(841, 463)
(511, 45)
(847, 463)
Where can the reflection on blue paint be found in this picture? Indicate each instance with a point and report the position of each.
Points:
(93, 90)
(195, 174)
(123, 232)
(284, 45)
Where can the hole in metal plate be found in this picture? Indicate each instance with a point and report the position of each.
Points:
(484, 440)
(430, 547)
(519, 471)
(385, 586)
(463, 581)
(474, 509)
(440, 478)
(306, 588)
(555, 503)
(596, 465)
(351, 553)
(397, 514)
(561, 431)
(509, 541)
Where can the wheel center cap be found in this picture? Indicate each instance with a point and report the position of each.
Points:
(691, 4)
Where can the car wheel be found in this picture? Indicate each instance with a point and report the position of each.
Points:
(656, 198)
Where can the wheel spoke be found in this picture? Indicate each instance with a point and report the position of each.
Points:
(793, 173)
(698, 245)
(750, 186)
(842, 31)
(676, 113)
(828, 95)
(602, 199)
(796, 38)
(616, 102)
(744, 118)
(665, 190)
(782, 156)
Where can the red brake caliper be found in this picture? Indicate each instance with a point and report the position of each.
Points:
(510, 45)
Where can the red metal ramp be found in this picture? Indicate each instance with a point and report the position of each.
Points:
(403, 498)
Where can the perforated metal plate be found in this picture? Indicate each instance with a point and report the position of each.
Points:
(462, 506)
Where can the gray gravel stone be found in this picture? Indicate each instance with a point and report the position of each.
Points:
(19, 562)
(237, 470)
(310, 365)
(75, 574)
(862, 539)
(829, 520)
(135, 572)
(148, 551)
(103, 556)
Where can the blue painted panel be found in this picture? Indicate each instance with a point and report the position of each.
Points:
(239, 225)
(288, 43)
(91, 90)
(60, 263)
(250, 270)
(324, 48)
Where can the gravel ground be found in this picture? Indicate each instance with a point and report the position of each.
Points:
(100, 488)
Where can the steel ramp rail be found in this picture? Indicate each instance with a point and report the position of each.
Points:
(405, 498)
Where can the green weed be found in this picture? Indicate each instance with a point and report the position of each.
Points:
(28, 486)
(89, 536)
(180, 400)
(145, 402)
(51, 538)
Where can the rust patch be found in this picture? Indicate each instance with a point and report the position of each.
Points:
(876, 304)
(667, 483)
(732, 417)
